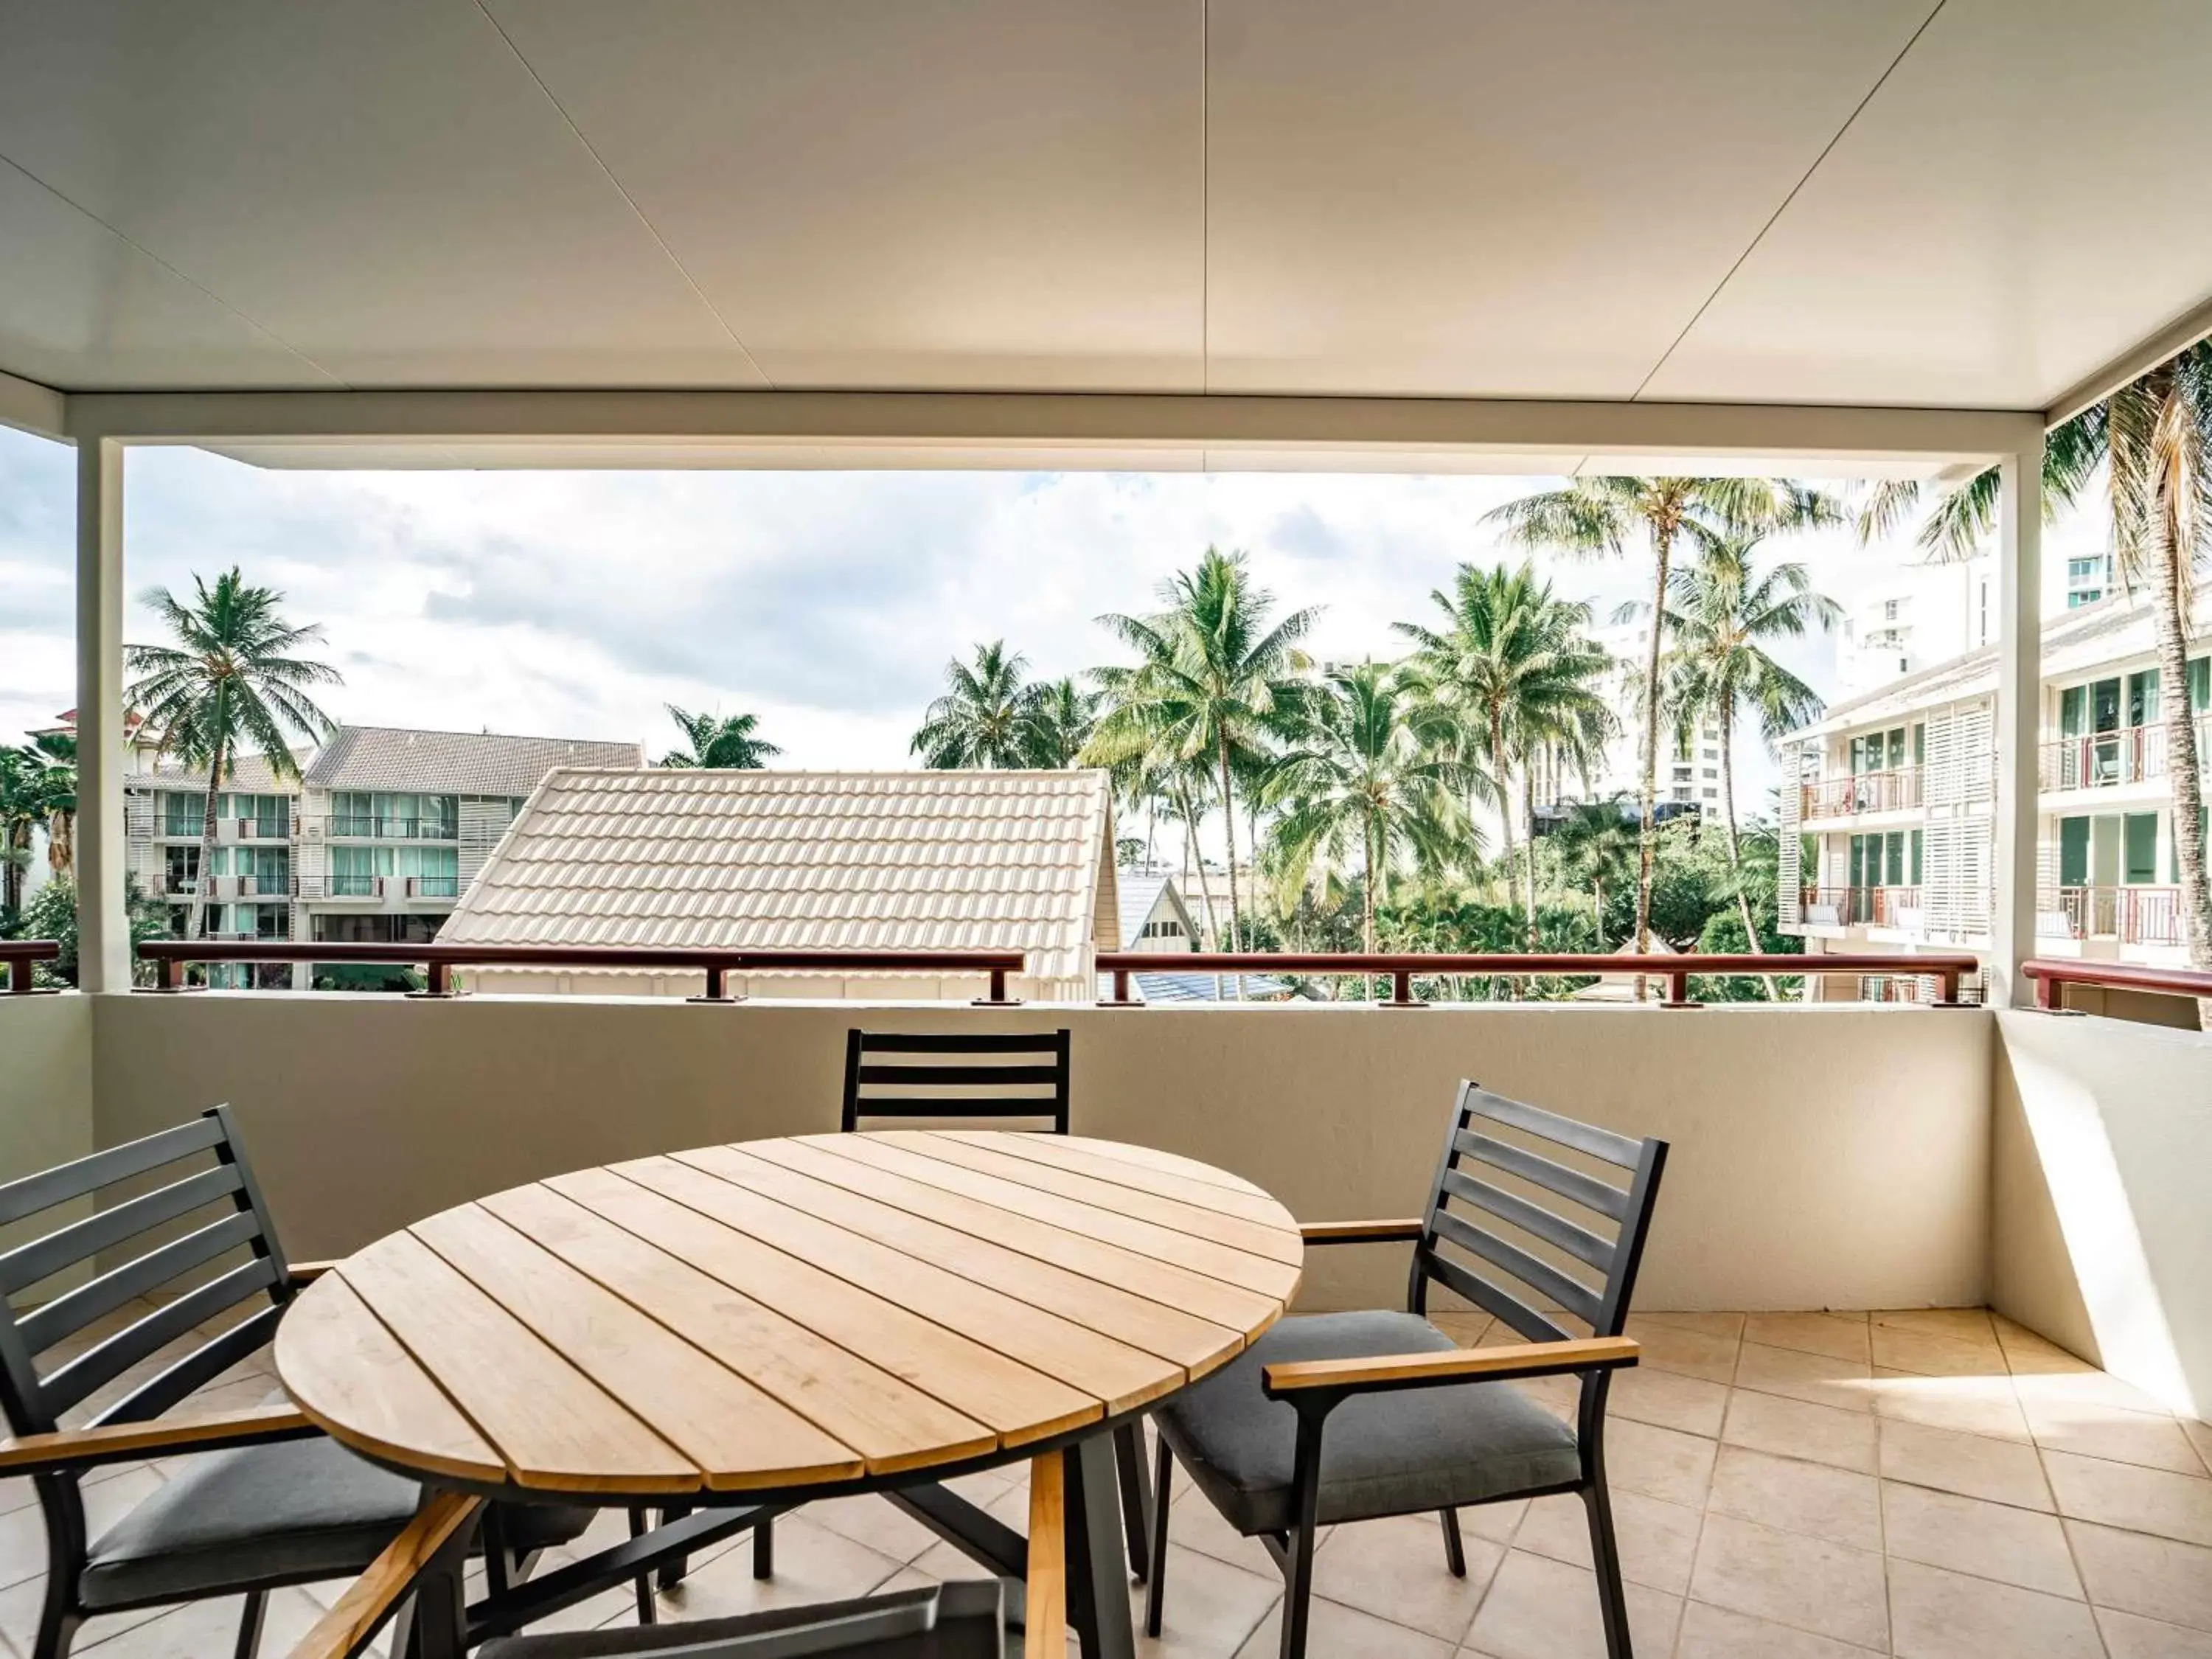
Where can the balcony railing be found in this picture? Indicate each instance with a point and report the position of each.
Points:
(2107, 760)
(1897, 790)
(2052, 975)
(364, 827)
(1862, 906)
(2132, 915)
(433, 887)
(353, 886)
(19, 955)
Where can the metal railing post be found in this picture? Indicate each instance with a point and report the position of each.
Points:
(1678, 989)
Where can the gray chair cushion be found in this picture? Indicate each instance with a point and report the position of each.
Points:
(961, 1620)
(286, 1513)
(1390, 1454)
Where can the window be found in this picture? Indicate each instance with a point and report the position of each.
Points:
(182, 814)
(270, 815)
(1169, 929)
(1916, 859)
(181, 869)
(386, 815)
(2140, 843)
(356, 871)
(1711, 794)
(2073, 852)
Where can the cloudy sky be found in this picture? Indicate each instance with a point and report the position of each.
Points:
(577, 604)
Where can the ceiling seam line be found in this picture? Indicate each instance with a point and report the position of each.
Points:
(629, 201)
(197, 286)
(1751, 247)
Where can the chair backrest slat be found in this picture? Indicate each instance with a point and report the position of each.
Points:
(196, 1369)
(73, 1311)
(107, 1360)
(1470, 1249)
(1580, 1242)
(1026, 1074)
(48, 1188)
(43, 1257)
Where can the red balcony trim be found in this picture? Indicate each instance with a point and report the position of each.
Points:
(2052, 975)
(19, 954)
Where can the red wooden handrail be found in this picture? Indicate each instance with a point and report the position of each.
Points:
(2052, 975)
(19, 954)
(439, 960)
(1946, 968)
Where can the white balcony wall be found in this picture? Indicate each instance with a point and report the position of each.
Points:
(45, 1089)
(1823, 1158)
(2102, 1163)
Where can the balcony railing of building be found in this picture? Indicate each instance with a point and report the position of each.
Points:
(2132, 915)
(2052, 975)
(362, 826)
(19, 956)
(2107, 760)
(433, 887)
(1897, 790)
(352, 886)
(1862, 906)
(1673, 972)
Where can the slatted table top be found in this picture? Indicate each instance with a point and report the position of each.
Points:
(779, 1313)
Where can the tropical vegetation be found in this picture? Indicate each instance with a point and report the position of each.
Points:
(730, 743)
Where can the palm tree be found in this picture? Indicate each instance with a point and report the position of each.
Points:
(53, 755)
(1723, 612)
(2154, 437)
(22, 805)
(1596, 848)
(1515, 671)
(715, 742)
(1214, 684)
(1596, 518)
(980, 719)
(1056, 718)
(1365, 774)
(229, 683)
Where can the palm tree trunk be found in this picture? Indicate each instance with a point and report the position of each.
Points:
(61, 844)
(1597, 892)
(203, 885)
(1528, 844)
(11, 872)
(1647, 847)
(2182, 758)
(1228, 834)
(1735, 844)
(1368, 880)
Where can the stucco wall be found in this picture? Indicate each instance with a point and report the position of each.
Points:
(2102, 1215)
(45, 1087)
(1823, 1157)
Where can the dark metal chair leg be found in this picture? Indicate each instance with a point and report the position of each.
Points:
(1454, 1551)
(1155, 1583)
(249, 1624)
(764, 1550)
(1097, 1569)
(1613, 1602)
(1136, 1496)
(647, 1613)
(1298, 1547)
(671, 1573)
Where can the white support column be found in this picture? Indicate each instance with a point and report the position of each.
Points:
(2019, 719)
(103, 920)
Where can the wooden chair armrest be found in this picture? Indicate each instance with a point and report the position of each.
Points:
(1419, 1370)
(78, 1449)
(361, 1609)
(303, 1272)
(1360, 1232)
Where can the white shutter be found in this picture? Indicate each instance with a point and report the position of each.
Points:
(483, 820)
(1789, 880)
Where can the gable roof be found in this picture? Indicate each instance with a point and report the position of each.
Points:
(454, 763)
(807, 860)
(1139, 897)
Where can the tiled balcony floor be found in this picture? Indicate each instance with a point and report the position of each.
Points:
(1935, 1484)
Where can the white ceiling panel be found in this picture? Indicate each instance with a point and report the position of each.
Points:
(382, 186)
(1438, 197)
(984, 194)
(2024, 200)
(80, 307)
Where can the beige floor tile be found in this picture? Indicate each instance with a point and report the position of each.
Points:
(1840, 1336)
(1468, 1329)
(1808, 1583)
(1949, 1615)
(1670, 1347)
(1395, 1569)
(2127, 1636)
(876, 1523)
(1658, 1540)
(812, 1564)
(1711, 1632)
(19, 1613)
(1927, 1354)
(1658, 1462)
(1496, 1522)
(1343, 1633)
(2200, 1437)
(1959, 1324)
(2088, 1388)
(1972, 1465)
(1965, 1405)
(1823, 1502)
(2030, 1352)
(2150, 1438)
(1969, 1534)
(1726, 1325)
(2138, 1573)
(1795, 1428)
(1668, 1399)
(1822, 1379)
(1211, 1606)
(23, 1533)
(201, 1629)
(2123, 1495)
(1543, 1609)
(1195, 1524)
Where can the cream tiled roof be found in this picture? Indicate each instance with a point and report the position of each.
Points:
(454, 762)
(807, 860)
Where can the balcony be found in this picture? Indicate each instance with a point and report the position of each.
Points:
(354, 826)
(2112, 760)
(433, 887)
(354, 887)
(2130, 915)
(1896, 790)
(1863, 907)
(229, 832)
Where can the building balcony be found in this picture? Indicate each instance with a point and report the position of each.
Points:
(2113, 760)
(1861, 793)
(433, 887)
(2126, 915)
(1899, 907)
(362, 827)
(229, 831)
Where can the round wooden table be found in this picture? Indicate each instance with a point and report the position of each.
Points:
(776, 1320)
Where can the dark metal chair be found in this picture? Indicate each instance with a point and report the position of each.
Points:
(1006, 1074)
(1332, 1418)
(941, 1621)
(266, 1500)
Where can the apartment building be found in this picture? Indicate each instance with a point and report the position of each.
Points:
(1916, 617)
(1689, 771)
(1888, 803)
(375, 840)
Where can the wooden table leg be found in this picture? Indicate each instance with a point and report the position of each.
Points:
(1046, 1635)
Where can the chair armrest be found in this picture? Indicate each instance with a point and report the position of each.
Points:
(304, 1273)
(1360, 1232)
(115, 1443)
(1421, 1370)
(361, 1610)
